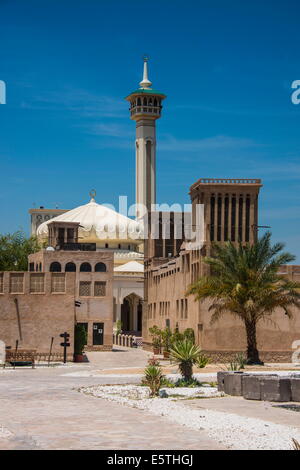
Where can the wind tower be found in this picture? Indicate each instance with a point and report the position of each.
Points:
(145, 108)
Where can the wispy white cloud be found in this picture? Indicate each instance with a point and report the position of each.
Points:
(179, 149)
(243, 111)
(170, 143)
(79, 101)
(111, 130)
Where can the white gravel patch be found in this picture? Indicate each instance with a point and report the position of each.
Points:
(5, 433)
(231, 430)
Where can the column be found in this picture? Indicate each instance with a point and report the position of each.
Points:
(229, 215)
(118, 312)
(222, 217)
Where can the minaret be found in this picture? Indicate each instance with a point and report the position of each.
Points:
(145, 108)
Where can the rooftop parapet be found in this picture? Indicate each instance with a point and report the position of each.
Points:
(226, 181)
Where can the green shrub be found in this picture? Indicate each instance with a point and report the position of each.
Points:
(237, 363)
(185, 354)
(189, 334)
(241, 359)
(153, 362)
(166, 336)
(168, 383)
(191, 383)
(153, 379)
(176, 336)
(119, 327)
(156, 334)
(80, 339)
(202, 360)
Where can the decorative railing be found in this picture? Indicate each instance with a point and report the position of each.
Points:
(228, 181)
(129, 341)
(145, 109)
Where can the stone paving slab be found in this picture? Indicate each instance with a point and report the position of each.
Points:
(43, 410)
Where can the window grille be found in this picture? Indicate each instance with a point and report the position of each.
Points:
(36, 283)
(58, 282)
(85, 288)
(100, 289)
(16, 283)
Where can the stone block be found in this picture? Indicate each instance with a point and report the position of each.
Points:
(220, 379)
(233, 383)
(251, 387)
(275, 388)
(295, 389)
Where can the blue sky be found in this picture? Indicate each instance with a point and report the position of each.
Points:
(225, 66)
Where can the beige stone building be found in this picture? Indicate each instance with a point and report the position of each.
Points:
(63, 287)
(41, 215)
(230, 213)
(36, 307)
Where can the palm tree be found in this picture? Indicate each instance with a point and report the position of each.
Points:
(244, 281)
(185, 354)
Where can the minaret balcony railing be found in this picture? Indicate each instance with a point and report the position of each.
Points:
(145, 109)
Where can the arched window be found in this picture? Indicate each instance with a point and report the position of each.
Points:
(85, 268)
(155, 102)
(100, 268)
(144, 102)
(40, 267)
(70, 268)
(139, 102)
(55, 267)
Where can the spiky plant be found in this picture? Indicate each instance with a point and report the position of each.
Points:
(245, 282)
(202, 360)
(153, 378)
(185, 354)
(296, 444)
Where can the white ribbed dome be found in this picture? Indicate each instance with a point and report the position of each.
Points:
(97, 223)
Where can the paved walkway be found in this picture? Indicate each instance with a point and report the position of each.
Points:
(264, 410)
(42, 409)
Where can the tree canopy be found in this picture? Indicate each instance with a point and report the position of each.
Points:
(14, 251)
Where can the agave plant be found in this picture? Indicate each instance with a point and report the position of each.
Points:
(202, 360)
(185, 354)
(153, 378)
(296, 444)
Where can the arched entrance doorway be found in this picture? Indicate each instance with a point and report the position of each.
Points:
(131, 314)
(125, 315)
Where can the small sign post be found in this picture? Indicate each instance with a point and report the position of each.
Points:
(65, 344)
